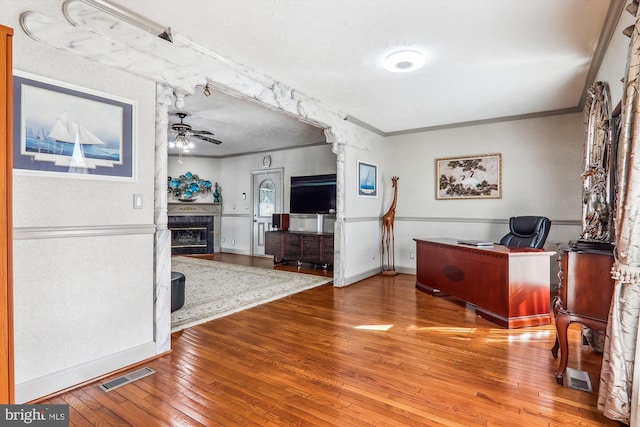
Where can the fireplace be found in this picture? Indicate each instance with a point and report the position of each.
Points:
(191, 234)
(195, 228)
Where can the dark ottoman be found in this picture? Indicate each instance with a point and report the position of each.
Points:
(177, 290)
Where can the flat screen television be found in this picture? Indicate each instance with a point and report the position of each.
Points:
(314, 194)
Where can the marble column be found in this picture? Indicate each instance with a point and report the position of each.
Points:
(338, 241)
(162, 261)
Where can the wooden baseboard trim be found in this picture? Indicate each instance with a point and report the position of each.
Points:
(99, 378)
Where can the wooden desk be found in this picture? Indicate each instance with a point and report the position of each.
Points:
(509, 286)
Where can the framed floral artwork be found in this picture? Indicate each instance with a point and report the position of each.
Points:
(469, 177)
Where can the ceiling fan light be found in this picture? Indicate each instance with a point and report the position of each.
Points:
(404, 61)
(181, 142)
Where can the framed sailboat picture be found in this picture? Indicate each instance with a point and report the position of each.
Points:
(367, 179)
(64, 129)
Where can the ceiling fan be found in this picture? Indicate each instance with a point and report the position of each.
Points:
(184, 130)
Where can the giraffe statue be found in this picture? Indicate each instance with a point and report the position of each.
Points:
(388, 240)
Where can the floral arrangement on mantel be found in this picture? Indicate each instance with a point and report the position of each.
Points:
(189, 186)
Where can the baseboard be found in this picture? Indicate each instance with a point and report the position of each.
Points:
(48, 384)
(361, 276)
(235, 251)
(406, 270)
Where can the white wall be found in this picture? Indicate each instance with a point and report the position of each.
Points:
(541, 170)
(233, 175)
(206, 168)
(542, 163)
(237, 179)
(613, 65)
(83, 257)
(362, 251)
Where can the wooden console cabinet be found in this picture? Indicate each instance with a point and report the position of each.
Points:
(316, 248)
(509, 286)
(584, 295)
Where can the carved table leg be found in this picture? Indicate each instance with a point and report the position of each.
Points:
(557, 306)
(556, 346)
(562, 324)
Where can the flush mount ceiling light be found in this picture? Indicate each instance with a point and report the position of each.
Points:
(404, 61)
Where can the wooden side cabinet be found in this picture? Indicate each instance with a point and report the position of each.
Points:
(584, 295)
(316, 248)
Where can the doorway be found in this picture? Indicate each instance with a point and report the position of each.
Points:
(268, 190)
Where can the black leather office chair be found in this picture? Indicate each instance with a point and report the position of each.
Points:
(527, 232)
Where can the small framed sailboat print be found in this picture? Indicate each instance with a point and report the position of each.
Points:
(64, 129)
(367, 179)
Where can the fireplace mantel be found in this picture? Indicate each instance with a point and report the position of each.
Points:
(191, 209)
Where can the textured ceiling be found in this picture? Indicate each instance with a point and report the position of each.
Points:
(487, 59)
(242, 126)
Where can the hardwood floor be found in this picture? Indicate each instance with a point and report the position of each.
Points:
(266, 262)
(376, 353)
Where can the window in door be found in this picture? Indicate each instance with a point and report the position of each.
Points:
(267, 198)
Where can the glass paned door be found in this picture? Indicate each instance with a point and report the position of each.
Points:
(267, 199)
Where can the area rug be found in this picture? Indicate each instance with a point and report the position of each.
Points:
(214, 289)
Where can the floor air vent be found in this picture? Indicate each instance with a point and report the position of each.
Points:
(579, 380)
(125, 379)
